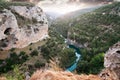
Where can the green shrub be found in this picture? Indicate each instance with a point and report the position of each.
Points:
(13, 60)
(23, 56)
(39, 64)
(97, 63)
(12, 49)
(34, 53)
(22, 53)
(30, 48)
(16, 75)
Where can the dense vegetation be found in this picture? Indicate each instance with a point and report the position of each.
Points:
(56, 48)
(13, 59)
(96, 31)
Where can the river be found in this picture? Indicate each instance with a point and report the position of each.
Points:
(77, 53)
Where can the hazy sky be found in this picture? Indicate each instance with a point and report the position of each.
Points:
(60, 6)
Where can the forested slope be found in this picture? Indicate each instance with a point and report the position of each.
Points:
(96, 31)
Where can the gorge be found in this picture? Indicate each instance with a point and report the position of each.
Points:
(82, 44)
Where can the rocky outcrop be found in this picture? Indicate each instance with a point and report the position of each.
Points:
(21, 26)
(112, 63)
(59, 75)
(2, 78)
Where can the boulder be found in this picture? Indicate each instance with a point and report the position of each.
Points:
(112, 63)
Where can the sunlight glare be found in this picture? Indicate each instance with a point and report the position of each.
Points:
(63, 8)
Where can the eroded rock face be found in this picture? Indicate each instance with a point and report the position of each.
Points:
(21, 26)
(112, 63)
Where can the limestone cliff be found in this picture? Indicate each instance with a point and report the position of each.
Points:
(21, 26)
(112, 63)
